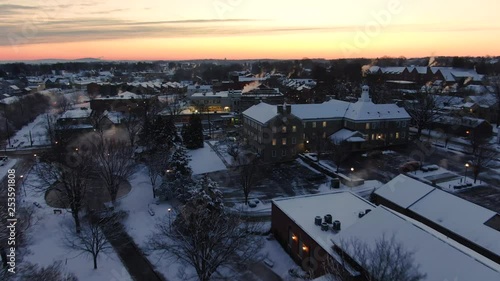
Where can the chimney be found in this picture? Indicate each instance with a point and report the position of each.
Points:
(280, 109)
(288, 109)
(365, 94)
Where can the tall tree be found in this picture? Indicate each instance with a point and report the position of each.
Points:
(177, 179)
(113, 162)
(423, 109)
(386, 260)
(205, 235)
(69, 175)
(248, 167)
(193, 133)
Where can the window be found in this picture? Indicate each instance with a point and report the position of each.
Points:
(283, 141)
(274, 142)
(294, 140)
(314, 124)
(294, 129)
(283, 129)
(324, 124)
(367, 126)
(274, 129)
(397, 135)
(324, 135)
(273, 153)
(373, 136)
(283, 152)
(403, 134)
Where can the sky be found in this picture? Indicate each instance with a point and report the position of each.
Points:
(246, 29)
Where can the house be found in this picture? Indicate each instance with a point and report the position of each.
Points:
(73, 123)
(223, 101)
(123, 102)
(363, 124)
(312, 228)
(192, 89)
(467, 223)
(463, 126)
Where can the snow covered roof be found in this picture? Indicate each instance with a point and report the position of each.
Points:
(76, 114)
(342, 205)
(333, 109)
(457, 215)
(363, 110)
(124, 95)
(403, 190)
(437, 259)
(9, 100)
(114, 116)
(261, 112)
(346, 135)
(484, 100)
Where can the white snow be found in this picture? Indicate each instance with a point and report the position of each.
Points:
(261, 112)
(437, 259)
(403, 190)
(38, 133)
(45, 242)
(343, 206)
(205, 160)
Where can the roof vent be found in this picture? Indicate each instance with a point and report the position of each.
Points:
(324, 226)
(328, 218)
(317, 220)
(361, 214)
(367, 211)
(336, 226)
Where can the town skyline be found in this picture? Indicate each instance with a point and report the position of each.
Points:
(239, 29)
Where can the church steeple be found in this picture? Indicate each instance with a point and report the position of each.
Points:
(365, 94)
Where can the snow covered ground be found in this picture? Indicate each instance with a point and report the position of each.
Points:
(205, 160)
(447, 180)
(45, 243)
(38, 134)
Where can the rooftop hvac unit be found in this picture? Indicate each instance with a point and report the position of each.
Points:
(336, 226)
(317, 220)
(324, 226)
(328, 218)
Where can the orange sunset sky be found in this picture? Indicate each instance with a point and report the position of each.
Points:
(246, 29)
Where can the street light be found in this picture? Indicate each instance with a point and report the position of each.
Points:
(465, 176)
(169, 219)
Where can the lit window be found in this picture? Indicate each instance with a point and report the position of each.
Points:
(324, 124)
(283, 129)
(314, 124)
(294, 129)
(274, 142)
(397, 135)
(367, 126)
(283, 141)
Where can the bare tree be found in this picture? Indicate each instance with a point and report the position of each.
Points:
(53, 272)
(91, 240)
(483, 155)
(205, 235)
(386, 260)
(68, 175)
(423, 109)
(247, 165)
(157, 165)
(494, 83)
(340, 150)
(50, 127)
(114, 163)
(62, 103)
(133, 125)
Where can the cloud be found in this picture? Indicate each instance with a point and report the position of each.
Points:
(101, 28)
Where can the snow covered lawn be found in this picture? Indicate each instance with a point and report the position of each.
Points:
(205, 160)
(38, 134)
(45, 243)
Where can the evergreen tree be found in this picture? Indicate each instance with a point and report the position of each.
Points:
(177, 181)
(158, 134)
(193, 133)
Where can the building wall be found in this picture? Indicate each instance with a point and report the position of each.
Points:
(311, 259)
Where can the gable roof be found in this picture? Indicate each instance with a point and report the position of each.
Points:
(261, 112)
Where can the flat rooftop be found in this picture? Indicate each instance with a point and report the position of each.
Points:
(344, 206)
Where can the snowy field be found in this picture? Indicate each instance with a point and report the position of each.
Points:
(38, 134)
(45, 246)
(205, 160)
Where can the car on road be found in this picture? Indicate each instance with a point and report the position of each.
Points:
(3, 160)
